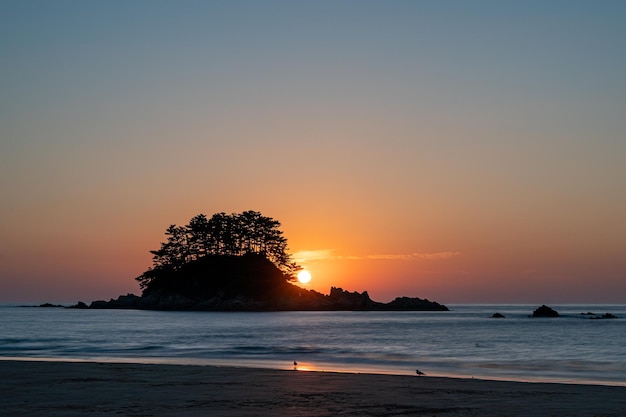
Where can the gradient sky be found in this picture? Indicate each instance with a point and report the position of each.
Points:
(460, 151)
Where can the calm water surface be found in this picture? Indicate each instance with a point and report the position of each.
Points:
(463, 342)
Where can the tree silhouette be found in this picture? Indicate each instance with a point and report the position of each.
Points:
(175, 252)
(235, 234)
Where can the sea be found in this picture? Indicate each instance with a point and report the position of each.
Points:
(463, 342)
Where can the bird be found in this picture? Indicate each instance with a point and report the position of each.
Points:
(419, 373)
(295, 364)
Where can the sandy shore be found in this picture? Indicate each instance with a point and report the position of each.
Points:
(46, 389)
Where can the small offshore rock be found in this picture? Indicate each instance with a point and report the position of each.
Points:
(48, 305)
(605, 316)
(545, 311)
(80, 305)
(498, 316)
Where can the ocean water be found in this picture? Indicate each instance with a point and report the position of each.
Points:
(463, 342)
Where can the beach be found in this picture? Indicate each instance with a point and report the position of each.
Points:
(46, 389)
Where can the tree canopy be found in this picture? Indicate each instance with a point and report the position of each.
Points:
(235, 234)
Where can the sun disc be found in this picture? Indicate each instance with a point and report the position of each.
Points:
(304, 276)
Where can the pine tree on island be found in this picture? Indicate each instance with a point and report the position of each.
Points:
(223, 239)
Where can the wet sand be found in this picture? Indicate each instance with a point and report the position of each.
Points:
(46, 389)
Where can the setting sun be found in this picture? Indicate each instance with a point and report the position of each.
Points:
(304, 276)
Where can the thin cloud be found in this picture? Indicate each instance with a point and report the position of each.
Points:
(313, 255)
(328, 254)
(426, 256)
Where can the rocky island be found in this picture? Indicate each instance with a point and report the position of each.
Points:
(237, 262)
(248, 283)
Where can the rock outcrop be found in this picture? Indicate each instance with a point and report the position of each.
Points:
(545, 311)
(413, 304)
(247, 283)
(604, 316)
(80, 305)
(291, 298)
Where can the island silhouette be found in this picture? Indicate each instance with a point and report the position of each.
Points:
(237, 262)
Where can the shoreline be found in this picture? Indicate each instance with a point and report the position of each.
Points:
(310, 367)
(51, 388)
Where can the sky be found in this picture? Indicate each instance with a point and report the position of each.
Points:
(460, 151)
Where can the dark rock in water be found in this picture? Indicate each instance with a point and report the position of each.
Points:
(414, 304)
(351, 300)
(498, 316)
(128, 301)
(247, 283)
(80, 305)
(594, 316)
(545, 311)
(285, 298)
(47, 305)
(605, 316)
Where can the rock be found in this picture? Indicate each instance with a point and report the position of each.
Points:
(594, 316)
(80, 305)
(413, 304)
(247, 283)
(545, 311)
(128, 301)
(285, 298)
(347, 300)
(498, 316)
(604, 316)
(48, 305)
